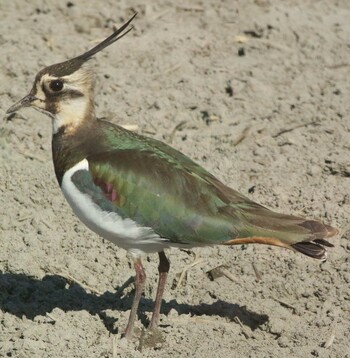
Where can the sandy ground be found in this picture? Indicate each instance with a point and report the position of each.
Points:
(260, 91)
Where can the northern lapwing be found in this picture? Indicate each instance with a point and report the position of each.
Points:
(142, 194)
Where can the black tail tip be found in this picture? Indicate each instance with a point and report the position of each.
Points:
(314, 249)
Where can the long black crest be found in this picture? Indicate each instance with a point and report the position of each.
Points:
(118, 34)
(68, 67)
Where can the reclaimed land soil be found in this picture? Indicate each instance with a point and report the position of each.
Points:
(255, 91)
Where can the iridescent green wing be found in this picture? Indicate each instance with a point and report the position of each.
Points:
(175, 198)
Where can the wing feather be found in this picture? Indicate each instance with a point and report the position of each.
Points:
(158, 187)
(174, 200)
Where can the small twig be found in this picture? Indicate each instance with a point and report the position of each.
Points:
(85, 286)
(46, 224)
(31, 156)
(159, 15)
(338, 65)
(244, 331)
(190, 8)
(187, 268)
(283, 131)
(51, 317)
(229, 275)
(241, 137)
(149, 131)
(256, 271)
(284, 304)
(172, 69)
(24, 218)
(176, 128)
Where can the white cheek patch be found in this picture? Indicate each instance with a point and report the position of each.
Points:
(125, 233)
(70, 113)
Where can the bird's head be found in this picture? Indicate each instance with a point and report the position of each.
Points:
(64, 91)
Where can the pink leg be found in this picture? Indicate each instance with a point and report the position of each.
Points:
(140, 280)
(163, 270)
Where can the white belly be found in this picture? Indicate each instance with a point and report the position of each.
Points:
(125, 233)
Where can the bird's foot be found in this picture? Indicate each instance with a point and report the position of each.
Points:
(132, 333)
(151, 338)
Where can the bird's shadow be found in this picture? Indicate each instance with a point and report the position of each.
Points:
(22, 295)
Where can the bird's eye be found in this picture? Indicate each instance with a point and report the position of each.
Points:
(56, 85)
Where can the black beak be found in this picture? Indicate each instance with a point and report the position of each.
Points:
(24, 102)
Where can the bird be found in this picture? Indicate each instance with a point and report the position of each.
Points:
(140, 193)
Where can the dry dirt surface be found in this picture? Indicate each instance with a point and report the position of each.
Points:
(255, 91)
